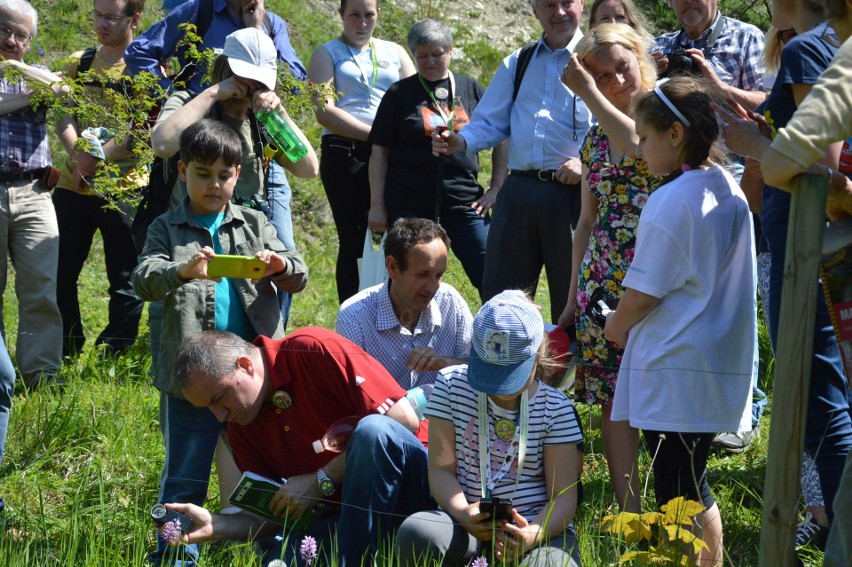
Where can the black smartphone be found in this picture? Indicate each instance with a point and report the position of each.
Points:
(499, 508)
(161, 515)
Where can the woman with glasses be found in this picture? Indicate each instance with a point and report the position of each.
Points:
(406, 180)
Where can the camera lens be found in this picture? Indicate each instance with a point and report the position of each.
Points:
(680, 63)
(158, 512)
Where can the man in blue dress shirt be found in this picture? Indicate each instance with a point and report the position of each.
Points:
(538, 205)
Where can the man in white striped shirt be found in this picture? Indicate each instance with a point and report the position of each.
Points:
(413, 324)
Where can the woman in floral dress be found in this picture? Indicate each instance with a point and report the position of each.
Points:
(610, 68)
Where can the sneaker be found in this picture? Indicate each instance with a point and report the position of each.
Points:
(806, 529)
(733, 442)
(810, 532)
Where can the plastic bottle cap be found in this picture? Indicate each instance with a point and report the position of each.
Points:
(317, 445)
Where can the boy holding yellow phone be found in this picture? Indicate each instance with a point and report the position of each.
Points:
(178, 266)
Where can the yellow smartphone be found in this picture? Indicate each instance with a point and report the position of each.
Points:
(246, 267)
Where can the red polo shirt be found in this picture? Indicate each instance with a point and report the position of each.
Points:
(328, 377)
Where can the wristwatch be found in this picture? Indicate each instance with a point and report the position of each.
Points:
(324, 483)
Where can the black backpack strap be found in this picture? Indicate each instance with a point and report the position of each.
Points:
(123, 85)
(257, 140)
(524, 57)
(205, 17)
(86, 60)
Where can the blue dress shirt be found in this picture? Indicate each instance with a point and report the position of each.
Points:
(547, 122)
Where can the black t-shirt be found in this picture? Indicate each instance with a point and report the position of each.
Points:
(404, 123)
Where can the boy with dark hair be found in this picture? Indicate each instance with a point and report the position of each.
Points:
(173, 268)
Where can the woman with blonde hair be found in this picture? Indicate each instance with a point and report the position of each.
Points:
(618, 12)
(610, 69)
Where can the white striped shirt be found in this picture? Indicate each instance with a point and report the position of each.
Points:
(552, 422)
(367, 319)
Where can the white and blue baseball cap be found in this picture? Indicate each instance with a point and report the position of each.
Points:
(507, 333)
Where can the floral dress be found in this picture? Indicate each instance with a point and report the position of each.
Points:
(621, 190)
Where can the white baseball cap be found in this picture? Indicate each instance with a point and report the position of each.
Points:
(252, 55)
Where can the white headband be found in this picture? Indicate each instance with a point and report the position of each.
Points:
(671, 106)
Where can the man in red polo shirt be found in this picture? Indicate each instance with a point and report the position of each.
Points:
(278, 397)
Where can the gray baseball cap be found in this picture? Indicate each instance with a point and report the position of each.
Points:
(252, 55)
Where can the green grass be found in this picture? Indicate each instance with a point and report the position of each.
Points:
(82, 466)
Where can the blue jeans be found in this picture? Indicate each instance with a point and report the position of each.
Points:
(387, 479)
(828, 431)
(468, 233)
(278, 196)
(7, 389)
(190, 435)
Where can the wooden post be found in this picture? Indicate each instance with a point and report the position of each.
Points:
(792, 371)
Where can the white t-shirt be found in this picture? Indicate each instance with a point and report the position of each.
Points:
(689, 363)
(552, 422)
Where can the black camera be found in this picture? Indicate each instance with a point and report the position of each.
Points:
(600, 306)
(499, 508)
(680, 64)
(162, 515)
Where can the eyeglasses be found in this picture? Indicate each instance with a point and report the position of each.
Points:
(108, 19)
(23, 39)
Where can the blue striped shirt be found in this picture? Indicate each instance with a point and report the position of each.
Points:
(367, 319)
(552, 422)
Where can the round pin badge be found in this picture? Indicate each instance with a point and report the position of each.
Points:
(441, 93)
(282, 399)
(505, 429)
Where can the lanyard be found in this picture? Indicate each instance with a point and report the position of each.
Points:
(375, 60)
(519, 444)
(711, 41)
(447, 117)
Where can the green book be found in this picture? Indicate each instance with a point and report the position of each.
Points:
(254, 493)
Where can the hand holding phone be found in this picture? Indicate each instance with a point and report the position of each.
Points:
(499, 508)
(245, 267)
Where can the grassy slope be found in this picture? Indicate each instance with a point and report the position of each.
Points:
(81, 469)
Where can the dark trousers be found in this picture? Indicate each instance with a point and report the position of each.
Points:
(532, 226)
(468, 234)
(79, 216)
(343, 170)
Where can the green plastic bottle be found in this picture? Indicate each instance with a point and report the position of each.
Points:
(282, 134)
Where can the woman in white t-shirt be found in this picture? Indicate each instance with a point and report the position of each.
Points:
(688, 316)
(527, 455)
